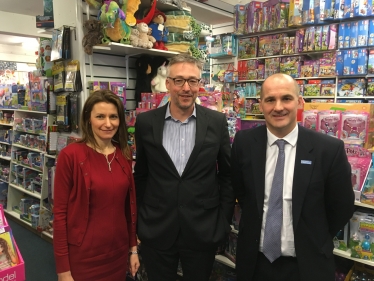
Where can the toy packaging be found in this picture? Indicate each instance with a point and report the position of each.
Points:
(309, 119)
(239, 19)
(295, 13)
(351, 87)
(247, 48)
(370, 64)
(328, 122)
(347, 33)
(354, 127)
(371, 33)
(363, 32)
(251, 7)
(328, 87)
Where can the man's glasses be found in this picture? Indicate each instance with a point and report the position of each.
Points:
(179, 82)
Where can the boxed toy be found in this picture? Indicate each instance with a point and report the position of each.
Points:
(313, 88)
(363, 31)
(251, 7)
(347, 34)
(354, 62)
(247, 47)
(371, 62)
(353, 34)
(348, 9)
(362, 61)
(341, 35)
(371, 33)
(295, 13)
(239, 19)
(351, 87)
(370, 87)
(346, 62)
(328, 87)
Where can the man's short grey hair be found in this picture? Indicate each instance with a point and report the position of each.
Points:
(184, 58)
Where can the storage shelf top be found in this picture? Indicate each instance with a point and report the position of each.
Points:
(121, 49)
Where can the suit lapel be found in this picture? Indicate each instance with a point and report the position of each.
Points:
(158, 129)
(259, 163)
(201, 129)
(304, 164)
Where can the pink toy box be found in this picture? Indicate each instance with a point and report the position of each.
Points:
(17, 272)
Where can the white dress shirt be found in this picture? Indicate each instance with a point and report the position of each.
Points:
(287, 239)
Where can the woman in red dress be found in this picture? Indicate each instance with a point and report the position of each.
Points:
(94, 198)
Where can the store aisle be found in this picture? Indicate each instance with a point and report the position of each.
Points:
(36, 252)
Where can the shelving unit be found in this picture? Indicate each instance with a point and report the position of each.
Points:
(24, 177)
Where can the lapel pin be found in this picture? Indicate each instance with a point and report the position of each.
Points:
(306, 162)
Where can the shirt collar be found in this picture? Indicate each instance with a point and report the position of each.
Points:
(291, 138)
(168, 114)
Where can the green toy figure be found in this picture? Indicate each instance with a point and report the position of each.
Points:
(114, 25)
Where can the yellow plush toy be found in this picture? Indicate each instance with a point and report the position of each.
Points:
(130, 8)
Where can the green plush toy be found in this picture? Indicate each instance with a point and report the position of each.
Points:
(115, 28)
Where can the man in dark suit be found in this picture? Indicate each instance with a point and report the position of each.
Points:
(315, 200)
(182, 179)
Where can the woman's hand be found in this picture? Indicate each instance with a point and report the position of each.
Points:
(65, 276)
(134, 264)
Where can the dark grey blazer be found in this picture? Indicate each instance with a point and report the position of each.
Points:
(200, 202)
(322, 199)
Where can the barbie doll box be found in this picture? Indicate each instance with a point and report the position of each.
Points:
(15, 269)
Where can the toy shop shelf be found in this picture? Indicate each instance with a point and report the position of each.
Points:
(50, 156)
(29, 111)
(128, 50)
(310, 54)
(4, 181)
(254, 80)
(359, 204)
(221, 56)
(28, 148)
(6, 124)
(6, 143)
(28, 167)
(36, 195)
(225, 261)
(347, 255)
(352, 98)
(269, 32)
(316, 77)
(254, 114)
(318, 97)
(5, 158)
(47, 234)
(31, 132)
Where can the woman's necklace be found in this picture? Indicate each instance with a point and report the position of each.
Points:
(110, 162)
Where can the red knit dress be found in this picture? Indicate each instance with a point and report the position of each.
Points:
(103, 254)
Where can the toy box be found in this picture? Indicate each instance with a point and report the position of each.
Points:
(308, 12)
(346, 62)
(353, 34)
(339, 9)
(354, 62)
(370, 87)
(295, 13)
(299, 40)
(328, 87)
(363, 31)
(371, 62)
(247, 47)
(239, 19)
(119, 88)
(371, 33)
(347, 34)
(362, 61)
(318, 38)
(251, 7)
(348, 9)
(351, 87)
(341, 35)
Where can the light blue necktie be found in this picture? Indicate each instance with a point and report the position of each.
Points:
(274, 219)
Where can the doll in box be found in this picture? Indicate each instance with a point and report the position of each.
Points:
(8, 258)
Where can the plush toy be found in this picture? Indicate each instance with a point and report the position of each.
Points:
(159, 31)
(158, 83)
(112, 19)
(134, 37)
(143, 76)
(93, 36)
(145, 40)
(130, 8)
